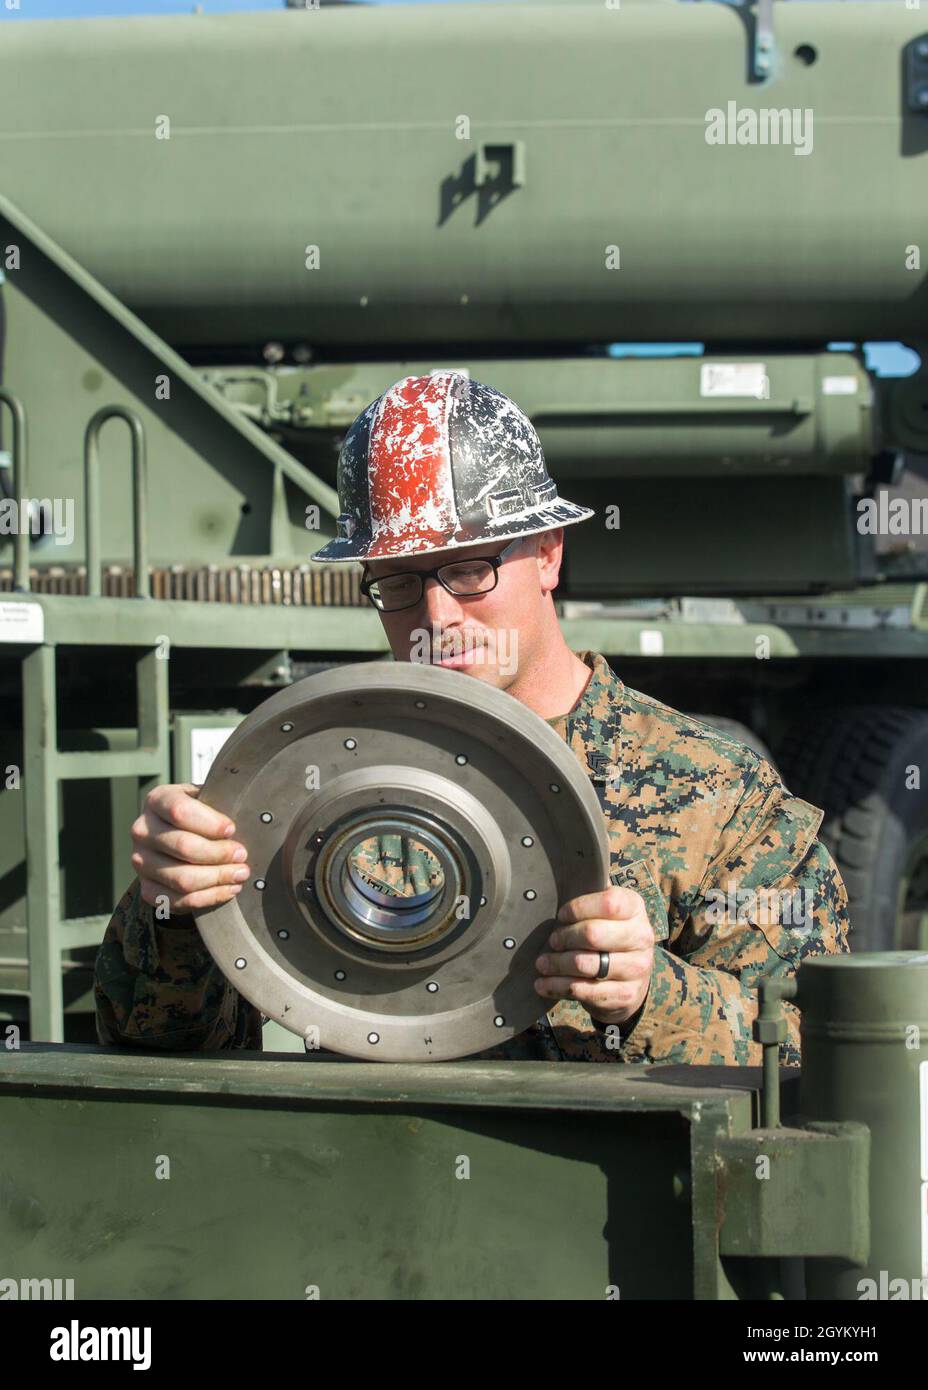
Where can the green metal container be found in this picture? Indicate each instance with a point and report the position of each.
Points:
(865, 1058)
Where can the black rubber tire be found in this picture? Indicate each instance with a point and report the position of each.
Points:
(853, 764)
(739, 732)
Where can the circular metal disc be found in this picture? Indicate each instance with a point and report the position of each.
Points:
(505, 824)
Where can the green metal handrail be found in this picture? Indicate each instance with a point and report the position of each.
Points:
(20, 490)
(92, 499)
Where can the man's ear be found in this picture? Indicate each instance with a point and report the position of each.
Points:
(549, 554)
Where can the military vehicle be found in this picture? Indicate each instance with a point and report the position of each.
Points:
(222, 236)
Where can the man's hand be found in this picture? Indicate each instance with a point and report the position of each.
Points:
(183, 851)
(615, 921)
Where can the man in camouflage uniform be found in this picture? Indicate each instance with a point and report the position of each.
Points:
(717, 876)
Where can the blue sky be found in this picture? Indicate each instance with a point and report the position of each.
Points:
(86, 9)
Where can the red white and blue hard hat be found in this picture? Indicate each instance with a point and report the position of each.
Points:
(437, 462)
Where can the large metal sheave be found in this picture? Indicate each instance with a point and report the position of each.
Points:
(411, 832)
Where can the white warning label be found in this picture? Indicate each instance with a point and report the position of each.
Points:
(204, 746)
(839, 386)
(734, 379)
(21, 622)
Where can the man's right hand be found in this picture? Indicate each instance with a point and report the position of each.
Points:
(183, 851)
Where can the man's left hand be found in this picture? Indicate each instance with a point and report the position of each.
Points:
(616, 921)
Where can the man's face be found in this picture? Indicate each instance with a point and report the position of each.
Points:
(489, 635)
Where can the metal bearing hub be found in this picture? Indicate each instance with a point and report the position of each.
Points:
(374, 915)
(488, 806)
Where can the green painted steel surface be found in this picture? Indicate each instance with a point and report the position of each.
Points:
(865, 1057)
(243, 494)
(287, 1173)
(804, 414)
(254, 1175)
(214, 627)
(286, 132)
(788, 1192)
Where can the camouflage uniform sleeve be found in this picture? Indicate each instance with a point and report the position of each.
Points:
(397, 865)
(157, 986)
(771, 896)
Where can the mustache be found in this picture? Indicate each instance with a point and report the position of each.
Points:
(455, 642)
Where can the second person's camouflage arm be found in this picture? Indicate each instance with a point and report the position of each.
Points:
(157, 986)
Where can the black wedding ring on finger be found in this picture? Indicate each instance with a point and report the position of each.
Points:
(603, 970)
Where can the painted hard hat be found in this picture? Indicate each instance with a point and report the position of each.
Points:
(437, 462)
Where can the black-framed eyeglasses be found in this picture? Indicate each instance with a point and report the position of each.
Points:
(464, 578)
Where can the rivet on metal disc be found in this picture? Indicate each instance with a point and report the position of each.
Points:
(461, 759)
(553, 787)
(260, 884)
(373, 1037)
(283, 934)
(266, 817)
(339, 974)
(527, 841)
(530, 895)
(351, 743)
(509, 942)
(241, 963)
(286, 728)
(420, 704)
(483, 902)
(499, 1021)
(432, 986)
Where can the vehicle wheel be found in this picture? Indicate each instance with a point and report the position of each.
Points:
(867, 768)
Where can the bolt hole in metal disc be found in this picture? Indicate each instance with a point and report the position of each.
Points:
(411, 857)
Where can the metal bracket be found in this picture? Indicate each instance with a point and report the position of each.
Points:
(916, 77)
(508, 155)
(764, 41)
(796, 1192)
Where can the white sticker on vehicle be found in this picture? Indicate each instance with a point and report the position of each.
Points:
(839, 386)
(651, 642)
(734, 379)
(204, 745)
(21, 622)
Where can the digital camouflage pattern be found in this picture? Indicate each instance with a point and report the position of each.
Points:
(736, 885)
(396, 865)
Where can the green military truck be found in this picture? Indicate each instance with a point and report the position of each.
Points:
(221, 238)
(220, 243)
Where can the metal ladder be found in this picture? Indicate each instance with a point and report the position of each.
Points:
(45, 768)
(45, 765)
